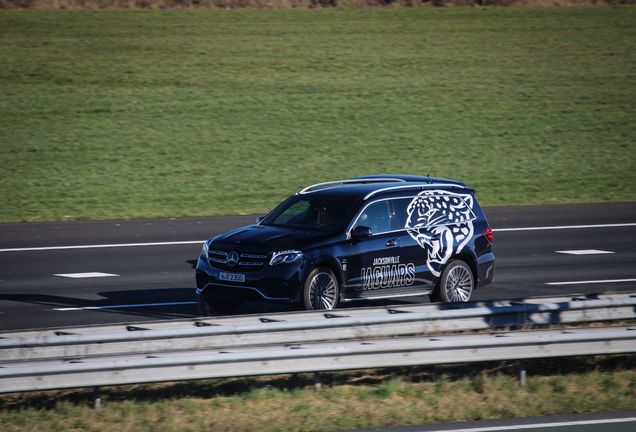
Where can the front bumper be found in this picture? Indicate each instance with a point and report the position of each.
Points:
(279, 284)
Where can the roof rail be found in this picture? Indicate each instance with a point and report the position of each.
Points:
(351, 181)
(421, 186)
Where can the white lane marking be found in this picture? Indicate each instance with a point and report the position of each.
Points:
(97, 246)
(122, 306)
(49, 248)
(585, 252)
(563, 227)
(545, 425)
(85, 275)
(591, 282)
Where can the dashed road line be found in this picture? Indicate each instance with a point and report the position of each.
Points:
(98, 246)
(123, 306)
(85, 275)
(545, 425)
(585, 252)
(591, 282)
(564, 227)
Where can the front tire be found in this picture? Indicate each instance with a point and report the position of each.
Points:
(321, 291)
(456, 284)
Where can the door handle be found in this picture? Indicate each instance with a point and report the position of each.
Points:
(391, 243)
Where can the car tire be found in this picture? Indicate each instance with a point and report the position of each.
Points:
(456, 284)
(321, 290)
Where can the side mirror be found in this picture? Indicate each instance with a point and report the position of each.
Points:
(361, 232)
(259, 219)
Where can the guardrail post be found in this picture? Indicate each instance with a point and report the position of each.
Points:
(97, 398)
(317, 381)
(522, 373)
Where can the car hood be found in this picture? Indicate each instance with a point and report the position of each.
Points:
(267, 239)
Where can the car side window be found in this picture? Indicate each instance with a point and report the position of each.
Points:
(375, 216)
(400, 206)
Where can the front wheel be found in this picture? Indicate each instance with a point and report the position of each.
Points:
(320, 291)
(456, 284)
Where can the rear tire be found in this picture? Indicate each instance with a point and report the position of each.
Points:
(321, 291)
(456, 284)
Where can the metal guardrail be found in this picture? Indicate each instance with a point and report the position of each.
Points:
(321, 357)
(311, 342)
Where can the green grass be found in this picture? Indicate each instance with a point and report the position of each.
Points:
(121, 114)
(347, 400)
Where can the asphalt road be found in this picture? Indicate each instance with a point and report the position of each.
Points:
(61, 274)
(624, 421)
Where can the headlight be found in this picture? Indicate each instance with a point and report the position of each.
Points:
(285, 257)
(204, 251)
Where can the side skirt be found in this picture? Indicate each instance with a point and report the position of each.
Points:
(412, 291)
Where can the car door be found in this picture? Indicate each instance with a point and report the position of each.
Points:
(370, 256)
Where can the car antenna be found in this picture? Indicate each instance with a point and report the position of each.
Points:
(429, 172)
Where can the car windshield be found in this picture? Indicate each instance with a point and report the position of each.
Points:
(312, 213)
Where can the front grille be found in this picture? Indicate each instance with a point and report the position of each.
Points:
(244, 261)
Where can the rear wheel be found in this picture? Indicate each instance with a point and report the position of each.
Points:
(321, 290)
(456, 284)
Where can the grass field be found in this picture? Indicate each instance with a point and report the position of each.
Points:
(122, 114)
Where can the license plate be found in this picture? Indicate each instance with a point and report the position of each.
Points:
(232, 277)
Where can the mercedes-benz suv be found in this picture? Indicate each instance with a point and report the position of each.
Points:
(373, 237)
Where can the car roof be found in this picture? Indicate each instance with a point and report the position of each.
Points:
(367, 187)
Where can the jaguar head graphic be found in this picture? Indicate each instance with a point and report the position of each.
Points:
(441, 223)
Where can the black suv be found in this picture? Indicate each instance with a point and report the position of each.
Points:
(373, 237)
